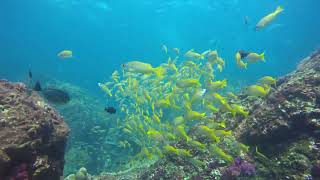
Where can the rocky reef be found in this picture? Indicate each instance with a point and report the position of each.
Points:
(32, 135)
(286, 125)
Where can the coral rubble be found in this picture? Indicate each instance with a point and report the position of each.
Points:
(32, 135)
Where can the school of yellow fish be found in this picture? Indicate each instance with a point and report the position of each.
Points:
(160, 106)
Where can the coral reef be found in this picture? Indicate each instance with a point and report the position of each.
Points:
(32, 135)
(285, 126)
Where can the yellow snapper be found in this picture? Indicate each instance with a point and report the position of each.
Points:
(193, 115)
(238, 57)
(178, 120)
(212, 56)
(194, 55)
(216, 85)
(256, 90)
(268, 80)
(205, 53)
(242, 65)
(254, 57)
(239, 110)
(176, 50)
(184, 83)
(232, 95)
(268, 18)
(197, 95)
(182, 133)
(144, 68)
(65, 54)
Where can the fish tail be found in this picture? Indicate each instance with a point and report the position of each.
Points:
(262, 57)
(278, 10)
(245, 65)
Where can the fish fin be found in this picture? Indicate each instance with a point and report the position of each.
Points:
(245, 65)
(262, 57)
(279, 10)
(37, 86)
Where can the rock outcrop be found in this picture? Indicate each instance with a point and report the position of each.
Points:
(286, 124)
(32, 135)
(291, 110)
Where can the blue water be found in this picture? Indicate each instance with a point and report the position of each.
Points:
(105, 34)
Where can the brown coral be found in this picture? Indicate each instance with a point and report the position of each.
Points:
(31, 133)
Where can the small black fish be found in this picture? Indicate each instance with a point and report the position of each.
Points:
(243, 54)
(110, 110)
(246, 20)
(37, 86)
(30, 74)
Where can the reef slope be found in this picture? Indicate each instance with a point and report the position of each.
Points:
(32, 135)
(291, 110)
(286, 125)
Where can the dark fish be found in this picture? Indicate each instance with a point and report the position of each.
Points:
(37, 86)
(56, 96)
(243, 53)
(30, 74)
(246, 20)
(110, 110)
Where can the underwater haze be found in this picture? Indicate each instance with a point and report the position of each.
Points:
(105, 34)
(157, 80)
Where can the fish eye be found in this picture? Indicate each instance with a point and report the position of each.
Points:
(123, 65)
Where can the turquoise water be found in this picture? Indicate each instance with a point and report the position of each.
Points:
(105, 34)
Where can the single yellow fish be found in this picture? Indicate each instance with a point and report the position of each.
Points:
(176, 50)
(144, 68)
(65, 54)
(184, 83)
(194, 55)
(268, 80)
(254, 57)
(268, 18)
(182, 133)
(256, 90)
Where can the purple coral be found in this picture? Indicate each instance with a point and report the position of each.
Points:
(248, 168)
(315, 170)
(239, 167)
(20, 172)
